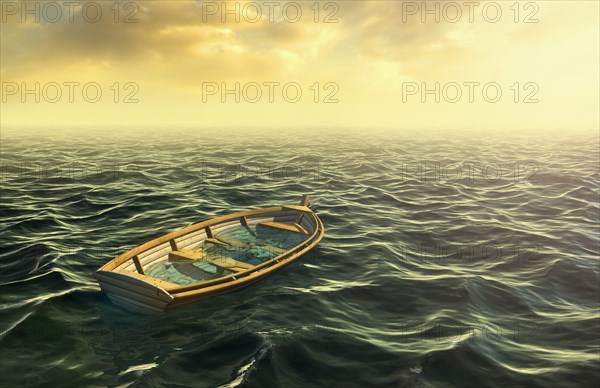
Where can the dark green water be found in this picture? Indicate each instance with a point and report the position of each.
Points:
(467, 261)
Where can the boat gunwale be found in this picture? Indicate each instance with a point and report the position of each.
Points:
(114, 263)
(173, 288)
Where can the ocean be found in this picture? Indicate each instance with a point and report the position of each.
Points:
(465, 260)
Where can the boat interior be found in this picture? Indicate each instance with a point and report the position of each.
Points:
(233, 245)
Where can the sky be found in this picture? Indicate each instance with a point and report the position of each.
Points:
(486, 66)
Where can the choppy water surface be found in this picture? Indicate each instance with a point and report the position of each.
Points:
(447, 260)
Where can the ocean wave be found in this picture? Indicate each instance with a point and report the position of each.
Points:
(427, 278)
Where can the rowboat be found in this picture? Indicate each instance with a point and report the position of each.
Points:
(210, 258)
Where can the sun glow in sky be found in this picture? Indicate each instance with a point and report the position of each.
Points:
(484, 65)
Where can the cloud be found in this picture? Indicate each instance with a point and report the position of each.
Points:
(371, 49)
(165, 32)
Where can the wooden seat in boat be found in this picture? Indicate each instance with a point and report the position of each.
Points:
(247, 244)
(221, 262)
(186, 254)
(296, 228)
(229, 264)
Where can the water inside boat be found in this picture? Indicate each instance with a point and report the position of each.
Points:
(233, 250)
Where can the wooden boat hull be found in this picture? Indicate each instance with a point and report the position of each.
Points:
(125, 281)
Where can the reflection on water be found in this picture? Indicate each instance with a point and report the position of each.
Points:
(447, 260)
